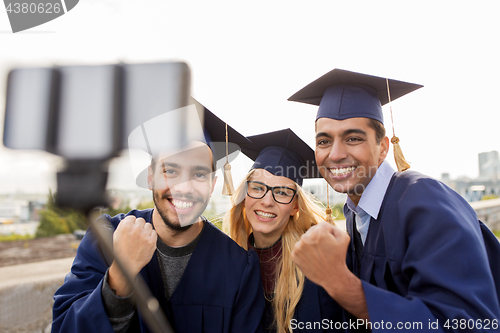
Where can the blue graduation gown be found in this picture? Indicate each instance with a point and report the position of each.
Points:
(220, 290)
(424, 259)
(317, 311)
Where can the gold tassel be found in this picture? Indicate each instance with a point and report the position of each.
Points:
(329, 217)
(228, 188)
(398, 155)
(328, 210)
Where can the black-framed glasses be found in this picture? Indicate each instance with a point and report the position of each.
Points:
(281, 194)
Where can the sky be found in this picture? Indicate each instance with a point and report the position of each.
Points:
(246, 59)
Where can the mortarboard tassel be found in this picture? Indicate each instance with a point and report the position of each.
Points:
(228, 188)
(398, 155)
(401, 163)
(328, 210)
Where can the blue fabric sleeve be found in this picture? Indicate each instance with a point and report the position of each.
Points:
(443, 260)
(249, 303)
(78, 305)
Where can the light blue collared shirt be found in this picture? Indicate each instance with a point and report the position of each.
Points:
(371, 200)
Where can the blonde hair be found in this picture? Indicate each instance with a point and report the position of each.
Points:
(290, 280)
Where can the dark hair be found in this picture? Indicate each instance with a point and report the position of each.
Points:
(379, 129)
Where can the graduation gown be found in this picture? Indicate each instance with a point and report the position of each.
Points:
(424, 260)
(316, 311)
(220, 290)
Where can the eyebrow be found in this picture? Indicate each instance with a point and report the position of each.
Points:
(202, 168)
(345, 133)
(354, 131)
(322, 134)
(169, 164)
(178, 166)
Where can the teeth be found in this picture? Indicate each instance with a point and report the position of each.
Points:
(341, 171)
(265, 215)
(182, 204)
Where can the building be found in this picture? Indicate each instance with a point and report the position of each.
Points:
(486, 185)
(489, 163)
(14, 211)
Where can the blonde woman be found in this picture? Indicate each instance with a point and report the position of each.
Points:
(269, 213)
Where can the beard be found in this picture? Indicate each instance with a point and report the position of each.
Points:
(176, 226)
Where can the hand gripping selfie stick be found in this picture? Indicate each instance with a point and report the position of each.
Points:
(82, 113)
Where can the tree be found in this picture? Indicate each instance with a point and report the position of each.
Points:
(55, 220)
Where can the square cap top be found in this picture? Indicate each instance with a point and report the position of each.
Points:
(343, 94)
(214, 130)
(282, 153)
(202, 124)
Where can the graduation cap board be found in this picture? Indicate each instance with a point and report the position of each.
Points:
(342, 94)
(154, 137)
(282, 153)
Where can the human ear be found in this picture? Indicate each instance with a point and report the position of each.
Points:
(384, 148)
(295, 208)
(213, 185)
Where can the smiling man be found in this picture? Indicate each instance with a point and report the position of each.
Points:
(416, 258)
(182, 185)
(204, 281)
(350, 152)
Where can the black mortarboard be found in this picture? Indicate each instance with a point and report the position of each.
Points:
(342, 94)
(282, 153)
(214, 130)
(213, 134)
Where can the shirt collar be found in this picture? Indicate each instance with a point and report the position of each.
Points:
(372, 197)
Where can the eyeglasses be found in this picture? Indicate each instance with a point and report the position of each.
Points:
(281, 194)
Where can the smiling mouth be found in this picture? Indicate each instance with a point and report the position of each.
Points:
(180, 204)
(342, 171)
(265, 215)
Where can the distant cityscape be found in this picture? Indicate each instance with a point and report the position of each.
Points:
(19, 213)
(487, 185)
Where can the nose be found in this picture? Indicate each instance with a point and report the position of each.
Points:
(338, 151)
(268, 199)
(184, 185)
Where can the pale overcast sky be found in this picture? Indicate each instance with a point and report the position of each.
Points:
(247, 58)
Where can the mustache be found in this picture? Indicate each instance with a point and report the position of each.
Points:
(187, 197)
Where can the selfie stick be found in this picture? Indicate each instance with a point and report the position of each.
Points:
(81, 114)
(82, 186)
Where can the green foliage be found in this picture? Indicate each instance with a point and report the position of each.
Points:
(55, 220)
(497, 233)
(145, 205)
(115, 211)
(216, 220)
(211, 214)
(211, 211)
(14, 237)
(338, 212)
(51, 224)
